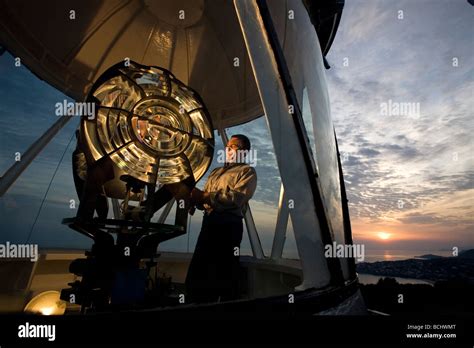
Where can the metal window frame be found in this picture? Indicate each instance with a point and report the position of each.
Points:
(281, 226)
(14, 172)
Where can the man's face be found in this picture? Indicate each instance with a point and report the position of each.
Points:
(233, 145)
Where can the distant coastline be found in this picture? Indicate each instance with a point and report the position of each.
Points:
(426, 268)
(374, 255)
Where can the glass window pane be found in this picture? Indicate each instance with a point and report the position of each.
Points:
(303, 56)
(27, 110)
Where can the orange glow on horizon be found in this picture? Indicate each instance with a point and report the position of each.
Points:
(399, 234)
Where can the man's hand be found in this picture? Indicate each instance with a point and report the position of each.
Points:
(199, 197)
(181, 191)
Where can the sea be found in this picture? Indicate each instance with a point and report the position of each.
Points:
(374, 255)
(396, 255)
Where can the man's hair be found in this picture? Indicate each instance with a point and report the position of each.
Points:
(244, 141)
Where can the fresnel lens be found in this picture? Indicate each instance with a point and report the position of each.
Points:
(152, 126)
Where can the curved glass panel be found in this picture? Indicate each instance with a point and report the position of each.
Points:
(298, 38)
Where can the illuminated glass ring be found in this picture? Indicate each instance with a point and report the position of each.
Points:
(150, 124)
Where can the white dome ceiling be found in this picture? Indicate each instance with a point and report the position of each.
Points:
(198, 41)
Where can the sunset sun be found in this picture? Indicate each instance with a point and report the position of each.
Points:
(383, 235)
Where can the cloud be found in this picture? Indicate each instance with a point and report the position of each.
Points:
(397, 167)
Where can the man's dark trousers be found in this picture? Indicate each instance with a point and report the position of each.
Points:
(215, 269)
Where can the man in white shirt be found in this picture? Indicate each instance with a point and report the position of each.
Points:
(214, 270)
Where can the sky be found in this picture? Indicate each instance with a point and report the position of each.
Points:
(409, 176)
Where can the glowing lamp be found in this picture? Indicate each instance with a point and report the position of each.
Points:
(46, 303)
